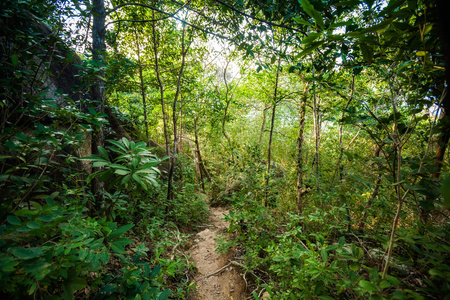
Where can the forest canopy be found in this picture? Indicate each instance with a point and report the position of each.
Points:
(322, 125)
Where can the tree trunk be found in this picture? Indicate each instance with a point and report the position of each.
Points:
(341, 153)
(300, 190)
(98, 88)
(201, 164)
(142, 88)
(263, 126)
(174, 116)
(180, 143)
(228, 101)
(269, 150)
(397, 143)
(375, 190)
(160, 84)
(316, 117)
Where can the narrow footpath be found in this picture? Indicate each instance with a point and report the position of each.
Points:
(216, 279)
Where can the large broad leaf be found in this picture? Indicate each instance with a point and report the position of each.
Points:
(164, 295)
(117, 245)
(155, 271)
(119, 145)
(103, 153)
(121, 230)
(13, 220)
(311, 47)
(368, 286)
(312, 12)
(26, 253)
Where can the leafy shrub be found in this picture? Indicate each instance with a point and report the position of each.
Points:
(57, 250)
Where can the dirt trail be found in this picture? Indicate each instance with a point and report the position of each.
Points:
(211, 283)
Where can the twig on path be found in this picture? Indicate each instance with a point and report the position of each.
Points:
(218, 271)
(205, 225)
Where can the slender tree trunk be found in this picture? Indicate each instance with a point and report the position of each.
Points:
(444, 24)
(142, 88)
(300, 190)
(399, 208)
(263, 126)
(201, 164)
(174, 116)
(98, 88)
(341, 153)
(180, 143)
(227, 105)
(272, 125)
(160, 84)
(375, 191)
(316, 117)
(398, 177)
(197, 157)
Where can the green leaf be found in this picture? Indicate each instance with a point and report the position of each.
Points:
(385, 284)
(14, 60)
(26, 253)
(312, 12)
(121, 149)
(121, 172)
(368, 286)
(155, 271)
(164, 295)
(311, 47)
(324, 255)
(393, 280)
(13, 220)
(33, 225)
(146, 270)
(99, 164)
(125, 142)
(121, 230)
(310, 38)
(117, 245)
(405, 65)
(103, 152)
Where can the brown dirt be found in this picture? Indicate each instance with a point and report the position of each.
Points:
(211, 284)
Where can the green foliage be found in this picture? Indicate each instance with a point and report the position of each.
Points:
(68, 252)
(135, 166)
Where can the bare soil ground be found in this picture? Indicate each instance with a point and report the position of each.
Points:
(216, 279)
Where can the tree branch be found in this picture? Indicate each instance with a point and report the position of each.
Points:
(259, 19)
(169, 16)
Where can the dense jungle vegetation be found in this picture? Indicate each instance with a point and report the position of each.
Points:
(322, 124)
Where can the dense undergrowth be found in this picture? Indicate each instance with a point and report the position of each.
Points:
(59, 241)
(323, 254)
